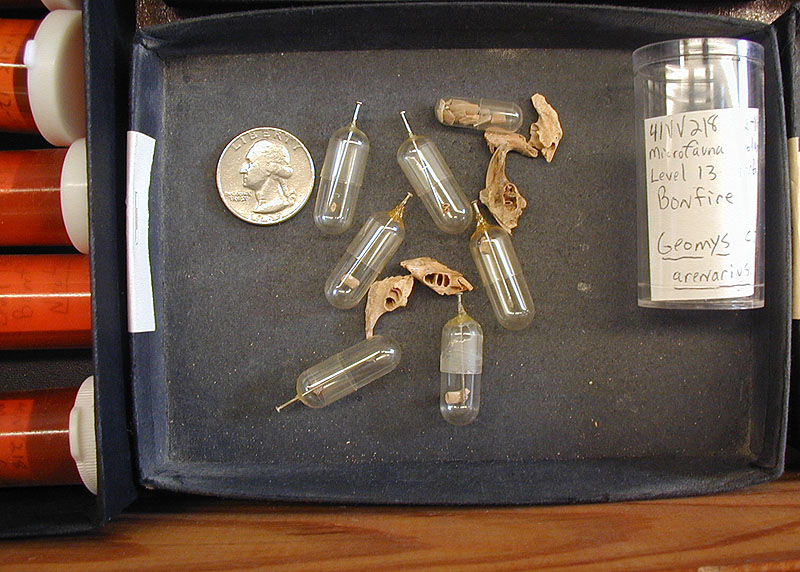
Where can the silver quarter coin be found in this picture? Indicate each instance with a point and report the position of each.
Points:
(265, 175)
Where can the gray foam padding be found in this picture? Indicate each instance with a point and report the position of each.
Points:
(637, 402)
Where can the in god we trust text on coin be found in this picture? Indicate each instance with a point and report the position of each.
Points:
(265, 175)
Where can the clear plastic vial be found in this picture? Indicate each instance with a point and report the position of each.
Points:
(342, 374)
(501, 273)
(434, 182)
(461, 366)
(700, 170)
(478, 113)
(366, 256)
(341, 178)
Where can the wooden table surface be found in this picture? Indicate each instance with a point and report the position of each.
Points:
(757, 529)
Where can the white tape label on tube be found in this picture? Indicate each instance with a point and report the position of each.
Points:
(141, 308)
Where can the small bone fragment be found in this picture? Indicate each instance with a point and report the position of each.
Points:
(443, 113)
(456, 397)
(461, 112)
(546, 132)
(501, 196)
(466, 113)
(351, 281)
(516, 141)
(384, 296)
(436, 276)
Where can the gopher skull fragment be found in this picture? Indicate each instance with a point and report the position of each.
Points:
(515, 141)
(501, 196)
(436, 276)
(546, 132)
(385, 296)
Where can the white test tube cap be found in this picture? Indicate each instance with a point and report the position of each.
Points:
(75, 195)
(54, 61)
(62, 4)
(82, 442)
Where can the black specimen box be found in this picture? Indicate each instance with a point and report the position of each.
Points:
(597, 400)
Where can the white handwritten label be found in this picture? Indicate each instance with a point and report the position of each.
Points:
(702, 203)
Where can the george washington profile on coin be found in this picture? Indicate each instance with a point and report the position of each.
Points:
(266, 171)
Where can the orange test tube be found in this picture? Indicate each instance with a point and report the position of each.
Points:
(34, 438)
(43, 197)
(47, 437)
(41, 77)
(45, 301)
(15, 109)
(30, 198)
